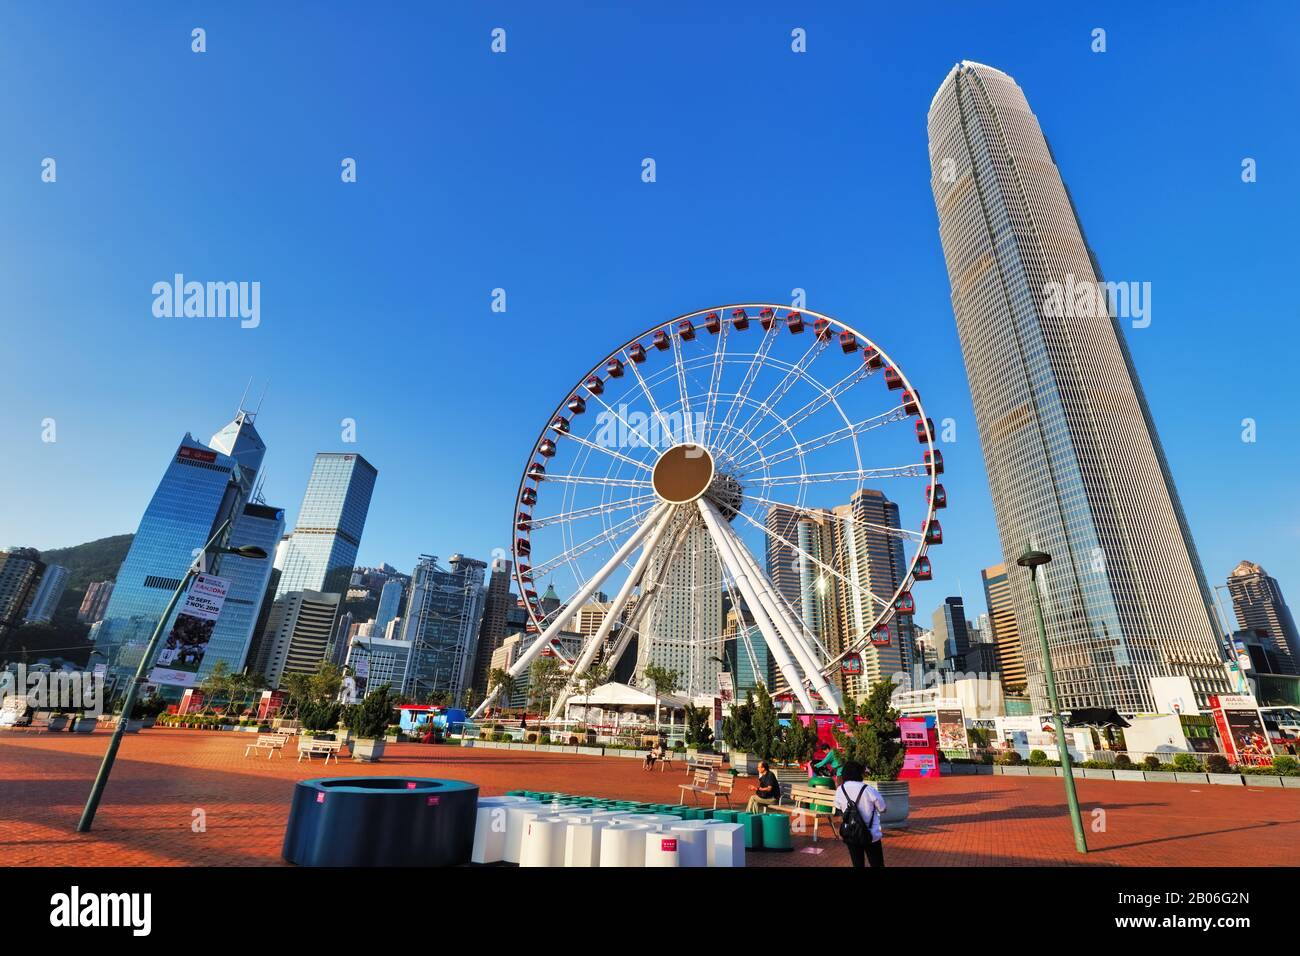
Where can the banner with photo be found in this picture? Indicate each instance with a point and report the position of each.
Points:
(182, 654)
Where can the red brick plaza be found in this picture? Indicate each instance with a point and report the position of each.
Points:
(163, 777)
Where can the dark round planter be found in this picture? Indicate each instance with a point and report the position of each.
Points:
(381, 821)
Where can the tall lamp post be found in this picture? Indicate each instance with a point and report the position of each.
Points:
(1032, 560)
(146, 660)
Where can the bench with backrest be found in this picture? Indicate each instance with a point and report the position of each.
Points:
(309, 746)
(804, 801)
(710, 783)
(703, 762)
(271, 743)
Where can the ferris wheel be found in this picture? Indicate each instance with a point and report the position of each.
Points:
(711, 466)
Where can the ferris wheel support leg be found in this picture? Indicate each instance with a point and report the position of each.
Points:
(789, 670)
(584, 594)
(612, 615)
(790, 629)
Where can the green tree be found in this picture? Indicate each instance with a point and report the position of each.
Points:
(370, 719)
(218, 685)
(594, 676)
(699, 732)
(738, 727)
(798, 742)
(500, 677)
(545, 679)
(767, 726)
(326, 683)
(872, 739)
(663, 680)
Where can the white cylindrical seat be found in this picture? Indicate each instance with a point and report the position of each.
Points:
(517, 817)
(692, 843)
(582, 841)
(656, 821)
(623, 844)
(726, 844)
(543, 842)
(662, 849)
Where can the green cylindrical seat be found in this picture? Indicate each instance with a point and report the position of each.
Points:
(727, 816)
(776, 831)
(752, 822)
(516, 793)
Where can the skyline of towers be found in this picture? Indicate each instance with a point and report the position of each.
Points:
(1074, 464)
(444, 612)
(320, 553)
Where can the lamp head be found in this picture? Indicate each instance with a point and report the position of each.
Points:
(1032, 559)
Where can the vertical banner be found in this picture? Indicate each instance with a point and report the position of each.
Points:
(1241, 726)
(726, 687)
(183, 651)
(952, 732)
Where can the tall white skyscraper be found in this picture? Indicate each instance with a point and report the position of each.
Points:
(1073, 460)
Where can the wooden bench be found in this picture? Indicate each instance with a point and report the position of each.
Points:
(307, 746)
(271, 743)
(704, 762)
(804, 801)
(711, 784)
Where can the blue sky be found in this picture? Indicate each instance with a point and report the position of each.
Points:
(775, 170)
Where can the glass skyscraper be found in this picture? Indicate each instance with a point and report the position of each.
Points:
(1072, 456)
(202, 487)
(232, 635)
(443, 617)
(320, 553)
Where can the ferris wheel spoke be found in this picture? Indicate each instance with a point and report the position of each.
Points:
(576, 515)
(821, 564)
(862, 474)
(827, 397)
(902, 534)
(792, 375)
(751, 375)
(608, 451)
(578, 550)
(688, 423)
(830, 438)
(715, 380)
(645, 438)
(664, 424)
(648, 597)
(597, 480)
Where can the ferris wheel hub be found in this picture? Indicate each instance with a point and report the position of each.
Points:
(683, 473)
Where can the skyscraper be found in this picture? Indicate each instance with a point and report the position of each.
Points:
(1006, 633)
(871, 567)
(48, 591)
(390, 604)
(443, 615)
(951, 639)
(94, 603)
(232, 635)
(681, 629)
(202, 486)
(323, 547)
(20, 573)
(298, 630)
(497, 601)
(1259, 606)
(1072, 456)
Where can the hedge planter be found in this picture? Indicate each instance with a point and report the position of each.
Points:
(1259, 780)
(1191, 777)
(87, 725)
(1131, 775)
(897, 794)
(1018, 771)
(743, 763)
(1042, 771)
(1290, 781)
(367, 750)
(589, 751)
(1090, 773)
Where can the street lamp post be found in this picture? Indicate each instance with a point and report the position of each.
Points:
(1032, 560)
(141, 672)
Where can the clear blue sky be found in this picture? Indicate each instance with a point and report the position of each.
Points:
(522, 171)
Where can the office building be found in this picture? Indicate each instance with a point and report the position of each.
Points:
(497, 602)
(232, 635)
(1004, 629)
(20, 574)
(48, 592)
(95, 602)
(390, 603)
(378, 661)
(297, 633)
(951, 638)
(443, 615)
(1073, 460)
(319, 555)
(1259, 606)
(202, 487)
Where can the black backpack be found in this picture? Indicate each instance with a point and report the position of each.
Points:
(853, 829)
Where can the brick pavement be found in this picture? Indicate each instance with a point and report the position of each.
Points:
(163, 776)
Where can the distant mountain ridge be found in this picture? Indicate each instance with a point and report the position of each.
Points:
(97, 560)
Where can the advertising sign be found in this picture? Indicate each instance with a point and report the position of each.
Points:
(183, 651)
(913, 731)
(1241, 726)
(726, 687)
(952, 730)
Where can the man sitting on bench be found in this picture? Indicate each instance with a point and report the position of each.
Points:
(767, 792)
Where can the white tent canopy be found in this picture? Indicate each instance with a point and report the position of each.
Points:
(614, 697)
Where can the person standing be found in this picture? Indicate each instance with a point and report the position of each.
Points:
(767, 792)
(860, 806)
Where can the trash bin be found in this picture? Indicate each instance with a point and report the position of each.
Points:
(381, 821)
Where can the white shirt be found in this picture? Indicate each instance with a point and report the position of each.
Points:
(850, 791)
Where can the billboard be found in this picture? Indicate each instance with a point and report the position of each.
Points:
(952, 730)
(1241, 726)
(183, 651)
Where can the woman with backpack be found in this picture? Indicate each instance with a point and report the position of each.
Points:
(860, 806)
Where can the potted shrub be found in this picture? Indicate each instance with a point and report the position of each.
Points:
(699, 735)
(873, 741)
(738, 735)
(367, 722)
